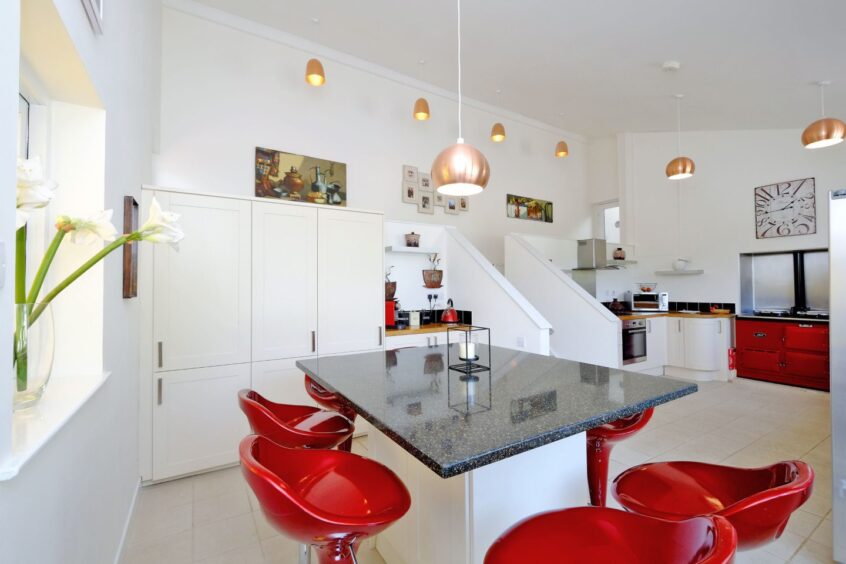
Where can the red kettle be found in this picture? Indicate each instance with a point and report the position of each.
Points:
(449, 315)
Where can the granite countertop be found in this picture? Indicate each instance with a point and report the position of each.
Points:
(422, 329)
(453, 426)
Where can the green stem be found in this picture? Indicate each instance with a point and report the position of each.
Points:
(45, 266)
(116, 244)
(20, 265)
(20, 318)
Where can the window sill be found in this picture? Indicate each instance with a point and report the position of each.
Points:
(32, 428)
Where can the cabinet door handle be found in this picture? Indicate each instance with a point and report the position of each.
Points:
(436, 340)
(719, 328)
(159, 346)
(428, 341)
(159, 392)
(314, 341)
(680, 327)
(649, 326)
(380, 335)
(805, 325)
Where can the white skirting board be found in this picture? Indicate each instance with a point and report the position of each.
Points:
(455, 520)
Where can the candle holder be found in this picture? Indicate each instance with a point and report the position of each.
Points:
(473, 354)
(469, 393)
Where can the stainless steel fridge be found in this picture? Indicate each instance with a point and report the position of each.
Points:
(837, 268)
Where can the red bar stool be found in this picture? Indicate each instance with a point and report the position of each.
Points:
(330, 401)
(757, 501)
(294, 426)
(610, 536)
(600, 441)
(328, 499)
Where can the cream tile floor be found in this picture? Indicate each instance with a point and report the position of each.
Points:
(214, 518)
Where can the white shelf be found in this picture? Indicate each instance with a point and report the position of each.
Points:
(414, 250)
(615, 262)
(678, 272)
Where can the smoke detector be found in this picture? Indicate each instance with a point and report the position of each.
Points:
(670, 66)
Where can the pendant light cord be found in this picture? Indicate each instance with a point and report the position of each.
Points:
(822, 100)
(460, 137)
(678, 125)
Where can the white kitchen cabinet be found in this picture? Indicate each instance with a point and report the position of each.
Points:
(351, 291)
(701, 344)
(281, 381)
(656, 346)
(201, 311)
(675, 341)
(284, 284)
(197, 423)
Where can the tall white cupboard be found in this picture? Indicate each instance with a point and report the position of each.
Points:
(254, 286)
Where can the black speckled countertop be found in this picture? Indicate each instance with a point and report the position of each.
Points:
(453, 426)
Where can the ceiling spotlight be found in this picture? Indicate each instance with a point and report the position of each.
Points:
(561, 149)
(314, 74)
(498, 133)
(421, 109)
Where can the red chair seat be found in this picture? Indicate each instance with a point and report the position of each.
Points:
(294, 426)
(326, 498)
(757, 501)
(600, 442)
(330, 400)
(609, 536)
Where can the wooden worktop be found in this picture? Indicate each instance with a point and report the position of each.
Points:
(675, 314)
(422, 330)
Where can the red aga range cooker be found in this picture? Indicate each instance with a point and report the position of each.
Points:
(791, 351)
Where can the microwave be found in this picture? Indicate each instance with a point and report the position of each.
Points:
(651, 301)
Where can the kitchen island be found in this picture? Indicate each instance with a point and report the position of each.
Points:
(480, 454)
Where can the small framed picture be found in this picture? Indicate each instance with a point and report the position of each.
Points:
(425, 180)
(464, 203)
(409, 174)
(426, 202)
(440, 199)
(451, 205)
(409, 192)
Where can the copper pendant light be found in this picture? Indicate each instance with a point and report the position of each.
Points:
(314, 73)
(460, 169)
(498, 133)
(561, 149)
(421, 109)
(680, 167)
(824, 132)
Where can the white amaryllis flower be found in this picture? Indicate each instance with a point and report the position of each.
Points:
(161, 226)
(85, 231)
(33, 190)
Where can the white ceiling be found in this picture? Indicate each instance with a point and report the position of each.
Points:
(594, 67)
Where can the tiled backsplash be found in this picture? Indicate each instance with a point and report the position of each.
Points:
(701, 306)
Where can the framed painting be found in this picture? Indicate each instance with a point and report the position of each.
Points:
(426, 202)
(299, 178)
(451, 205)
(522, 207)
(409, 192)
(409, 174)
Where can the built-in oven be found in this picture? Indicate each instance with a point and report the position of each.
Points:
(634, 341)
(650, 301)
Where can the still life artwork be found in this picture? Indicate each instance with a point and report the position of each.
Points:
(521, 207)
(299, 178)
(785, 209)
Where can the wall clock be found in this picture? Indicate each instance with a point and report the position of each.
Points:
(786, 208)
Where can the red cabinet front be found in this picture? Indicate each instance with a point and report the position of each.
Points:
(806, 337)
(808, 369)
(760, 335)
(751, 360)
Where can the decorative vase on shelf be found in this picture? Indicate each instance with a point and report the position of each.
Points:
(619, 254)
(433, 278)
(390, 290)
(33, 352)
(680, 264)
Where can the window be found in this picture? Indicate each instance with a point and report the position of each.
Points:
(606, 222)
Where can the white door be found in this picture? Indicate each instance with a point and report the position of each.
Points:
(701, 345)
(656, 344)
(284, 281)
(281, 381)
(197, 423)
(351, 295)
(675, 341)
(201, 292)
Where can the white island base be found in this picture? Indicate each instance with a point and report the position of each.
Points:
(455, 520)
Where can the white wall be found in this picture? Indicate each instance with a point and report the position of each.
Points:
(602, 167)
(717, 219)
(225, 91)
(70, 503)
(9, 55)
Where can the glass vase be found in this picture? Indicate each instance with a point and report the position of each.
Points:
(33, 353)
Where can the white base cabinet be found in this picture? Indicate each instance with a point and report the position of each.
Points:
(424, 340)
(698, 348)
(281, 381)
(197, 423)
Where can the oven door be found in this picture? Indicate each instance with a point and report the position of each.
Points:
(634, 345)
